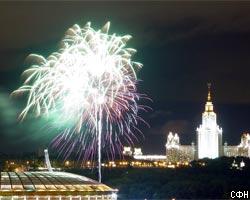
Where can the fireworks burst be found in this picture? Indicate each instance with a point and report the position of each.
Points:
(91, 81)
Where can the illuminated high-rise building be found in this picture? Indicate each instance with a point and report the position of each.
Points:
(209, 134)
(208, 143)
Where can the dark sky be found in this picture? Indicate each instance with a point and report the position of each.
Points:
(183, 45)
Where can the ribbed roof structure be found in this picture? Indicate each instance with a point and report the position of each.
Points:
(50, 183)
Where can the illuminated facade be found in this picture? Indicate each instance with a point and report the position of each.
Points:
(209, 142)
(173, 141)
(137, 152)
(52, 186)
(209, 134)
(243, 149)
(127, 151)
(138, 155)
(175, 152)
(150, 157)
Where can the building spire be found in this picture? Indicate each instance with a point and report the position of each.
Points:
(209, 104)
(209, 92)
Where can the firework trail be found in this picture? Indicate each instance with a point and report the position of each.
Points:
(91, 84)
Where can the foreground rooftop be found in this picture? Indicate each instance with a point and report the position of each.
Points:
(56, 184)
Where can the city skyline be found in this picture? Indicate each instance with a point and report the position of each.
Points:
(193, 140)
(208, 143)
(124, 100)
(180, 53)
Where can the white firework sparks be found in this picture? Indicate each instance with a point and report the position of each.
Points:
(91, 81)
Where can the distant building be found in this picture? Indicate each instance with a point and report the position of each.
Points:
(209, 139)
(243, 149)
(173, 141)
(138, 155)
(176, 152)
(209, 142)
(209, 134)
(137, 152)
(230, 151)
(127, 151)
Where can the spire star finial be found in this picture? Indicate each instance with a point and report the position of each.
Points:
(209, 92)
(209, 104)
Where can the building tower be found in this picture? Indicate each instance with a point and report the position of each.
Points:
(173, 141)
(209, 134)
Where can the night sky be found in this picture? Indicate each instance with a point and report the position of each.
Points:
(183, 45)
